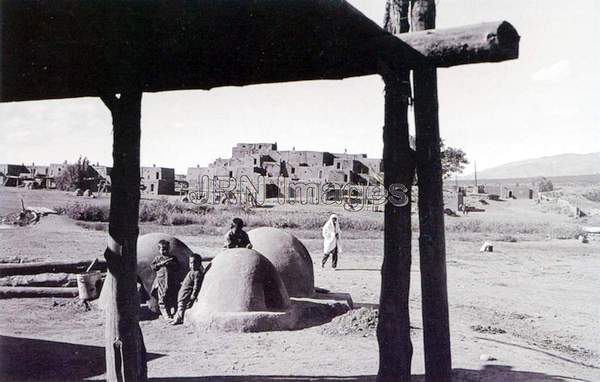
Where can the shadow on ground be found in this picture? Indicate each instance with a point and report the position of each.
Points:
(490, 373)
(27, 359)
(358, 269)
(146, 314)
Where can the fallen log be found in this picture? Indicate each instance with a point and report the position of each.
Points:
(24, 292)
(40, 280)
(12, 269)
(49, 267)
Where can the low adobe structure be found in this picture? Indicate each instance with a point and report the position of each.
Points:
(242, 291)
(289, 256)
(147, 250)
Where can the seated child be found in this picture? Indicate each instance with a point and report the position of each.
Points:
(165, 284)
(236, 237)
(189, 288)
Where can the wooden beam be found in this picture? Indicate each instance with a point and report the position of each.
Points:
(40, 280)
(432, 244)
(11, 269)
(487, 42)
(67, 49)
(125, 350)
(26, 292)
(393, 329)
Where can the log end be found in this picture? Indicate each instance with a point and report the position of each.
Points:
(507, 40)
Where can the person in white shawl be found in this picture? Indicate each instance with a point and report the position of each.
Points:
(331, 241)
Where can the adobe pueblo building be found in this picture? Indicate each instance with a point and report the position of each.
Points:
(261, 167)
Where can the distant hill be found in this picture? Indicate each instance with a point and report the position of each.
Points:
(557, 165)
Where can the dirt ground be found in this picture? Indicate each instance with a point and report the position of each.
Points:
(529, 311)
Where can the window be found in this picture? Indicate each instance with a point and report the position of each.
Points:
(293, 170)
(254, 161)
(338, 165)
(157, 175)
(151, 188)
(345, 178)
(231, 174)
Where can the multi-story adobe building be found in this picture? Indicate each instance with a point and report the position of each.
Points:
(157, 180)
(10, 174)
(254, 161)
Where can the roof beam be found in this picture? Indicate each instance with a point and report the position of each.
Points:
(66, 49)
(488, 42)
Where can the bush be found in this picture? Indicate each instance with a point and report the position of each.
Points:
(507, 238)
(216, 219)
(93, 226)
(545, 185)
(85, 212)
(171, 213)
(74, 176)
(593, 195)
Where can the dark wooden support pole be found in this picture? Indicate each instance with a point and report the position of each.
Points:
(125, 350)
(432, 244)
(393, 330)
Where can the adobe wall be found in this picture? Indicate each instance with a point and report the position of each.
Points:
(13, 169)
(158, 187)
(251, 159)
(246, 149)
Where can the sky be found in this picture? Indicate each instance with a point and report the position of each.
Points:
(545, 103)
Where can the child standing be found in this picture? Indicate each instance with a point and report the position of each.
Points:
(165, 284)
(190, 287)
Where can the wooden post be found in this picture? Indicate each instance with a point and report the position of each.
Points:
(432, 244)
(393, 330)
(125, 350)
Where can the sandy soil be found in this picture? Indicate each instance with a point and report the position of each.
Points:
(532, 306)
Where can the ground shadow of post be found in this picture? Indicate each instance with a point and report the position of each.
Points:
(489, 373)
(28, 359)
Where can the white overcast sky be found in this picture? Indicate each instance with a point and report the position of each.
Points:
(544, 103)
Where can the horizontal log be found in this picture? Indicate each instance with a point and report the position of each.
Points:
(8, 269)
(40, 280)
(23, 292)
(12, 269)
(488, 42)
